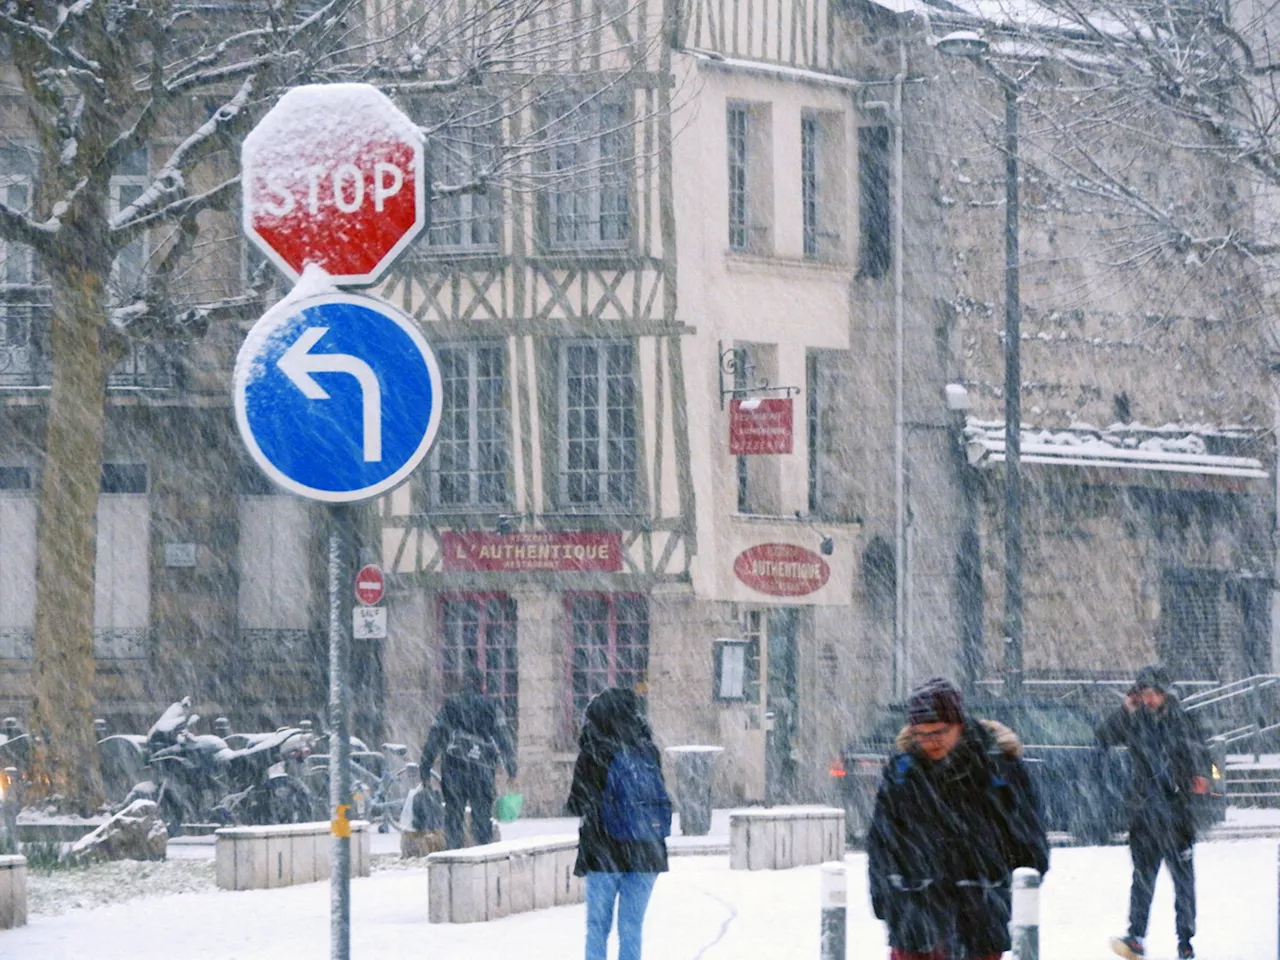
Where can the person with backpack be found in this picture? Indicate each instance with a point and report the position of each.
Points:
(470, 736)
(955, 814)
(1169, 764)
(619, 792)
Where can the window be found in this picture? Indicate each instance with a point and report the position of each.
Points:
(609, 645)
(479, 630)
(821, 182)
(17, 262)
(17, 562)
(128, 273)
(759, 477)
(17, 270)
(470, 456)
(737, 122)
(809, 182)
(275, 581)
(460, 152)
(597, 425)
(750, 177)
(587, 160)
(875, 250)
(122, 569)
(813, 422)
(1192, 638)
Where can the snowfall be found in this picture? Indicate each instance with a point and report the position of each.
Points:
(701, 909)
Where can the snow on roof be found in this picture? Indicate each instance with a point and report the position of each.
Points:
(899, 6)
(1029, 15)
(781, 71)
(1172, 448)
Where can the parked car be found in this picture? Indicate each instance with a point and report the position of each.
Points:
(1081, 785)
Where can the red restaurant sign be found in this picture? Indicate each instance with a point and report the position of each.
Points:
(577, 551)
(781, 569)
(760, 426)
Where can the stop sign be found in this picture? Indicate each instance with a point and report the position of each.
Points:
(334, 175)
(369, 585)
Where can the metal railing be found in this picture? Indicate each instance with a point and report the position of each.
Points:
(26, 314)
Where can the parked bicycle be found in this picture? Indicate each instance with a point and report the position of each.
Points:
(380, 783)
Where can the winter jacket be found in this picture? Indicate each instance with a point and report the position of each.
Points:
(1166, 752)
(613, 722)
(945, 837)
(465, 721)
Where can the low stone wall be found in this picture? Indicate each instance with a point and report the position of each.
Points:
(776, 838)
(253, 858)
(499, 879)
(13, 892)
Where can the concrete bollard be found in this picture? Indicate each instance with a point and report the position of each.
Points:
(1024, 924)
(834, 910)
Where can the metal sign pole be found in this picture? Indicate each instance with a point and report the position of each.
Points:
(339, 735)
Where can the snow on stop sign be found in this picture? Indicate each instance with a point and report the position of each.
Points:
(334, 175)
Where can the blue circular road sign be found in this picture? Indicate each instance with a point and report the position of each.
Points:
(337, 396)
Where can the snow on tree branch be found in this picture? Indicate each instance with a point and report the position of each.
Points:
(170, 181)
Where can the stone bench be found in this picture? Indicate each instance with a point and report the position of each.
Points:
(280, 855)
(499, 879)
(13, 892)
(775, 838)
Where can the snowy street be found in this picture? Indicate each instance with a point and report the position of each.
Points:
(700, 910)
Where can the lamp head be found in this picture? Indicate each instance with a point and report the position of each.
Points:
(963, 43)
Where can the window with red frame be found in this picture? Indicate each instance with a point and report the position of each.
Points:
(479, 629)
(609, 635)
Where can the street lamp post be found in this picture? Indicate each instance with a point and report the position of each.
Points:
(966, 43)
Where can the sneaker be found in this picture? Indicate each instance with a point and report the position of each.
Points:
(1185, 952)
(1128, 947)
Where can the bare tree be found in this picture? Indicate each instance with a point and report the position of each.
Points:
(1161, 118)
(104, 79)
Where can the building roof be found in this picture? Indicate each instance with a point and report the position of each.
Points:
(1177, 454)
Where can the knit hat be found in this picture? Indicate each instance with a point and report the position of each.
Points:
(1154, 677)
(935, 701)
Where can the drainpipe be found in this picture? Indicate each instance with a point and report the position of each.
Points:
(902, 617)
(901, 611)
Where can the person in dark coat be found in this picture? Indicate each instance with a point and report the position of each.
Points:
(1168, 761)
(955, 814)
(470, 735)
(618, 871)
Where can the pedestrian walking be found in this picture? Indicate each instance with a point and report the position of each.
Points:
(1168, 763)
(619, 792)
(954, 815)
(470, 735)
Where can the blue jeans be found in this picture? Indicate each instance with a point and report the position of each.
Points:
(631, 890)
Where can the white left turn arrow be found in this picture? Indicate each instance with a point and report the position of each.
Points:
(298, 363)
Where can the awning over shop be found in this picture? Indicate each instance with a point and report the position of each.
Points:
(1172, 456)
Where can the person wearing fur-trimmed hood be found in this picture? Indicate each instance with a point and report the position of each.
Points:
(955, 814)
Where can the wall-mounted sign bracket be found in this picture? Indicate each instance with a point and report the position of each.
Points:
(730, 369)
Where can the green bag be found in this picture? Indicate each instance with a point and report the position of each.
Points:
(508, 807)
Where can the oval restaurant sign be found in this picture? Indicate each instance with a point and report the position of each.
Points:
(781, 569)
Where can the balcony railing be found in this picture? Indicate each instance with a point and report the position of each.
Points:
(25, 316)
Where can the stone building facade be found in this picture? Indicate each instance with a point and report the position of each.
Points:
(697, 437)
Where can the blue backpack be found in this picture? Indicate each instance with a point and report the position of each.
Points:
(634, 806)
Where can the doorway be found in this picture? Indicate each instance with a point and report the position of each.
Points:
(781, 704)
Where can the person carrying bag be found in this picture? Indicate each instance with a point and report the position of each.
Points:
(470, 736)
(619, 792)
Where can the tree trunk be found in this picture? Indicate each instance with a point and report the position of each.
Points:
(66, 760)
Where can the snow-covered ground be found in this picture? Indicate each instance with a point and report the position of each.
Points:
(700, 910)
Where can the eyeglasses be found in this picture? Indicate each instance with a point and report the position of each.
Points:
(938, 734)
